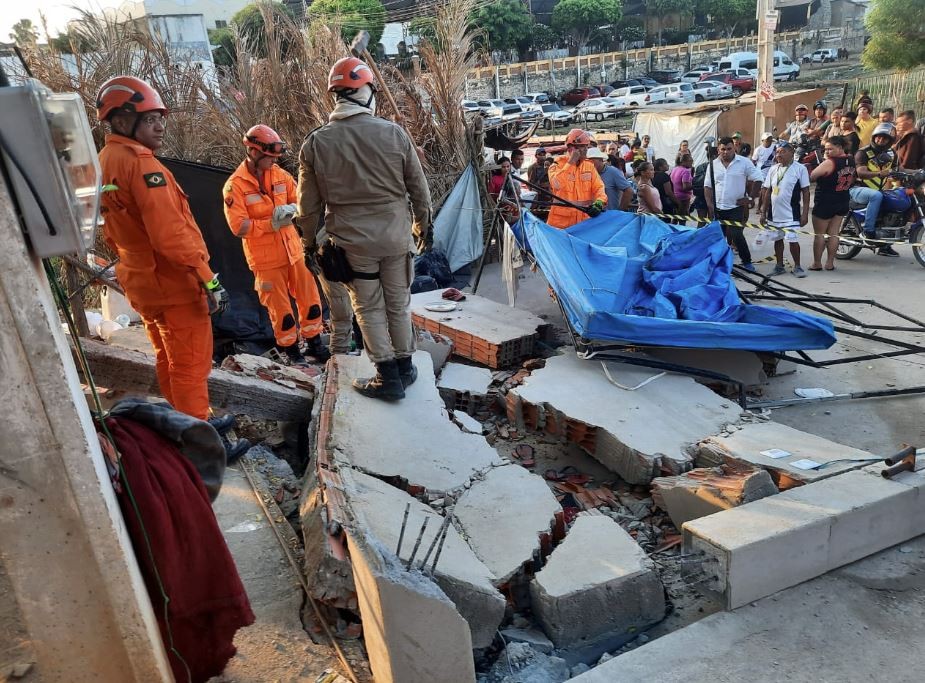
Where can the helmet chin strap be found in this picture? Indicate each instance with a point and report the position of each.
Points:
(365, 91)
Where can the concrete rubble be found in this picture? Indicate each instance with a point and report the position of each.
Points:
(637, 434)
(814, 528)
(706, 490)
(438, 346)
(521, 663)
(503, 516)
(482, 330)
(464, 387)
(439, 458)
(746, 443)
(597, 583)
(379, 509)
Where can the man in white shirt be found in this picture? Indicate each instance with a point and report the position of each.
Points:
(763, 156)
(648, 149)
(784, 205)
(799, 126)
(729, 188)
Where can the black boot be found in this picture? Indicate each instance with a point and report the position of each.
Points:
(292, 353)
(385, 385)
(407, 371)
(317, 350)
(224, 424)
(235, 450)
(887, 250)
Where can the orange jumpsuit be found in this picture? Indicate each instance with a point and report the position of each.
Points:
(276, 257)
(163, 263)
(578, 184)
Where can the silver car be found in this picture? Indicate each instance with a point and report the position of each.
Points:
(711, 90)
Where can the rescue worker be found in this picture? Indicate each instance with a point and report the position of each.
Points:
(260, 202)
(573, 178)
(163, 262)
(363, 170)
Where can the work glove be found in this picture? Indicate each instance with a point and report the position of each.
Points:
(282, 216)
(425, 241)
(597, 206)
(217, 296)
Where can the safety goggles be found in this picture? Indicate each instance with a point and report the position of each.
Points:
(275, 148)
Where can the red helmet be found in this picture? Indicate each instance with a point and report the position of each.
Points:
(577, 136)
(128, 94)
(350, 73)
(265, 139)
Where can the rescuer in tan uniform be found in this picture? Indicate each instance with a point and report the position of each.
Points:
(363, 170)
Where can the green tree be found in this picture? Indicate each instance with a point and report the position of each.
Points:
(897, 29)
(544, 37)
(72, 42)
(223, 54)
(353, 16)
(728, 15)
(423, 28)
(662, 8)
(581, 19)
(505, 25)
(251, 24)
(24, 33)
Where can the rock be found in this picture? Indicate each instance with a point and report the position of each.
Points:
(528, 666)
(531, 636)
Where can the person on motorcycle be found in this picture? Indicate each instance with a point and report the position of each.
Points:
(798, 127)
(817, 125)
(874, 163)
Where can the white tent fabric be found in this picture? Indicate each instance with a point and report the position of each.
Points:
(458, 226)
(668, 129)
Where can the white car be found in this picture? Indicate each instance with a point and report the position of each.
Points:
(633, 96)
(711, 90)
(470, 106)
(554, 116)
(525, 102)
(597, 109)
(675, 92)
(537, 97)
(694, 75)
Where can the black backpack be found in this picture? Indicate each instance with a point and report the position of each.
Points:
(700, 174)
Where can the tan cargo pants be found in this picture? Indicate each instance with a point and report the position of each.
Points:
(383, 306)
(341, 312)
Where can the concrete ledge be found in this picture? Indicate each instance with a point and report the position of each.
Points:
(777, 542)
(598, 583)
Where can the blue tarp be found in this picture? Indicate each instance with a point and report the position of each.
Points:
(623, 277)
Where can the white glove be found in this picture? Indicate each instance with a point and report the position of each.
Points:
(282, 215)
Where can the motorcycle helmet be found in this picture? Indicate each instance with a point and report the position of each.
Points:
(887, 130)
(820, 104)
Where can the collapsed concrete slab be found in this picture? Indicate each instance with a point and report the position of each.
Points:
(503, 516)
(777, 542)
(776, 447)
(412, 439)
(634, 433)
(464, 387)
(597, 583)
(379, 509)
(482, 330)
(412, 630)
(706, 490)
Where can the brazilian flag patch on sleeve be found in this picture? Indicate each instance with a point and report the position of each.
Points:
(155, 179)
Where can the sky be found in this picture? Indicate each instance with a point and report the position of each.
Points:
(57, 12)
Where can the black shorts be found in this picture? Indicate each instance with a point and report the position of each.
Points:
(830, 210)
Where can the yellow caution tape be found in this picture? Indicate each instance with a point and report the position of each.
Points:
(860, 241)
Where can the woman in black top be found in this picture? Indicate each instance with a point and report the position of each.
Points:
(849, 131)
(662, 183)
(834, 177)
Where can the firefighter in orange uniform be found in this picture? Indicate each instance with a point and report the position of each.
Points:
(575, 179)
(260, 201)
(163, 262)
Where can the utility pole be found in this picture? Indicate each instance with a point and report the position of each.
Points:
(765, 92)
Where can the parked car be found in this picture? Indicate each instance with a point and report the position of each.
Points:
(646, 81)
(633, 96)
(675, 92)
(554, 115)
(656, 96)
(665, 76)
(598, 109)
(505, 110)
(469, 106)
(694, 75)
(576, 95)
(604, 89)
(626, 83)
(525, 102)
(711, 90)
(826, 54)
(739, 84)
(538, 97)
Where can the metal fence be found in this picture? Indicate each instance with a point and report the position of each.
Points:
(900, 90)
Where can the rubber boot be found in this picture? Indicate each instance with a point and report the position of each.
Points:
(386, 385)
(224, 424)
(407, 371)
(236, 450)
(317, 350)
(292, 353)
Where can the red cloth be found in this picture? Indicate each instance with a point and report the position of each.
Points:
(207, 601)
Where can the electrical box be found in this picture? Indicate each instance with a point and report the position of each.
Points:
(48, 151)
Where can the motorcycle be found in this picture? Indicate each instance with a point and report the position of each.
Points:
(892, 224)
(809, 152)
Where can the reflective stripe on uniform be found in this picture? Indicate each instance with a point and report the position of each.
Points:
(245, 227)
(279, 187)
(253, 198)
